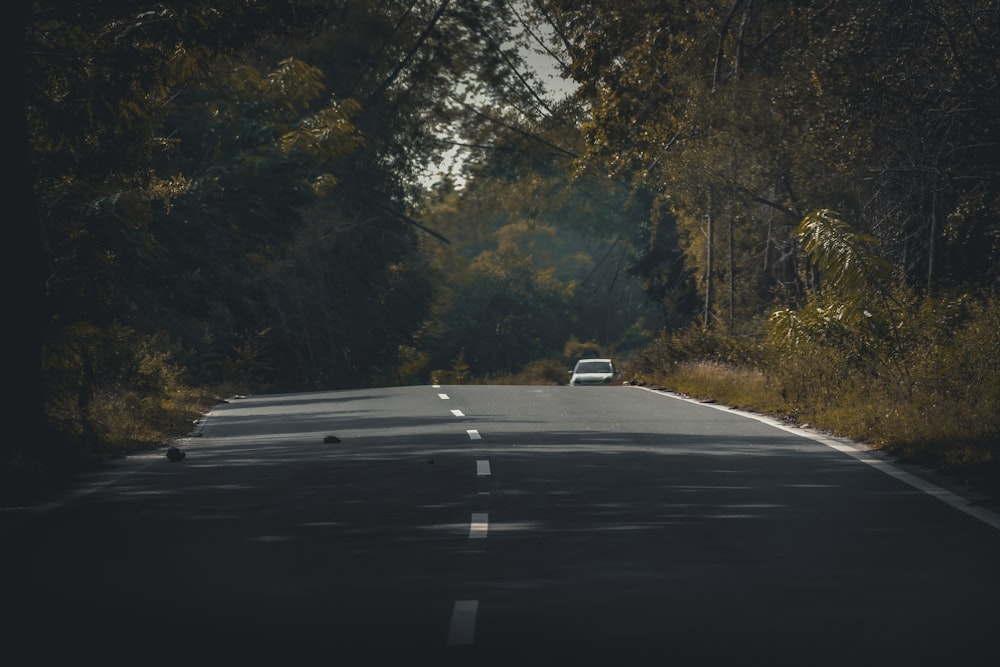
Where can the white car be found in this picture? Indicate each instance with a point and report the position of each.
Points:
(592, 371)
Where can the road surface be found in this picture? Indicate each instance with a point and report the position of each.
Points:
(504, 525)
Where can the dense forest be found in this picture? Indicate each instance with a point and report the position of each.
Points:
(255, 196)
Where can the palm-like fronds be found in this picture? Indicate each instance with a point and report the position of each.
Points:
(844, 257)
(850, 301)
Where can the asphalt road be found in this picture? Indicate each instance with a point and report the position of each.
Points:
(503, 525)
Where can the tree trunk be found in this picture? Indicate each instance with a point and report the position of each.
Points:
(732, 276)
(709, 261)
(933, 233)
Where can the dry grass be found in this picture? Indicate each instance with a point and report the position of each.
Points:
(127, 422)
(736, 386)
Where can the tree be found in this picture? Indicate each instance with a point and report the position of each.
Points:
(505, 313)
(751, 114)
(571, 239)
(186, 155)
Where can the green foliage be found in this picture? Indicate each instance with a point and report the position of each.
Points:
(412, 363)
(696, 343)
(110, 390)
(348, 298)
(741, 117)
(843, 257)
(522, 280)
(941, 410)
(730, 384)
(208, 171)
(953, 343)
(457, 374)
(849, 302)
(504, 313)
(204, 173)
(576, 349)
(241, 369)
(539, 257)
(543, 372)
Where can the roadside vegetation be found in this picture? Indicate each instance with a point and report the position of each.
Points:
(933, 403)
(793, 207)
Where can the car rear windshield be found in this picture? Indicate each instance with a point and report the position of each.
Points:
(593, 367)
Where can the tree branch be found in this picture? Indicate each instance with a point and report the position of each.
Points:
(376, 202)
(518, 130)
(425, 33)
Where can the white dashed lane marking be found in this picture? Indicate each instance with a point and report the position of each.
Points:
(462, 629)
(463, 623)
(479, 526)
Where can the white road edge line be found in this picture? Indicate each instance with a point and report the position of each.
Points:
(958, 502)
(479, 526)
(462, 629)
(483, 468)
(474, 434)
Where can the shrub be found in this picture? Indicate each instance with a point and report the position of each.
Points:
(930, 393)
(545, 372)
(694, 343)
(459, 373)
(577, 349)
